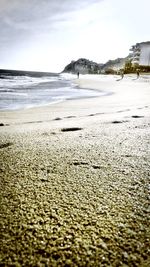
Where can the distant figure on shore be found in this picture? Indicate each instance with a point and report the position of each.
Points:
(138, 74)
(78, 74)
(122, 74)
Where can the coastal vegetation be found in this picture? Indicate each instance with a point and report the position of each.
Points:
(85, 66)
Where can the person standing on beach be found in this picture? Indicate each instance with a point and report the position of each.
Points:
(122, 74)
(138, 74)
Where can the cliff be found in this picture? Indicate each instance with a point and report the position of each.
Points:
(114, 65)
(85, 66)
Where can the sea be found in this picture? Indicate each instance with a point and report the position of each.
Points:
(23, 91)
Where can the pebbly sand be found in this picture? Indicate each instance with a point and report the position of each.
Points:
(74, 186)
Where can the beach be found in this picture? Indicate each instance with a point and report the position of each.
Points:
(74, 186)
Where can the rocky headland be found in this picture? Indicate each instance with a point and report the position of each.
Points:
(85, 66)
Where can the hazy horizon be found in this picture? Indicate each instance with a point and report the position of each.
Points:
(47, 35)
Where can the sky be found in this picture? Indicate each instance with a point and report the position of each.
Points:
(46, 35)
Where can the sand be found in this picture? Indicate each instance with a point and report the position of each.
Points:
(75, 179)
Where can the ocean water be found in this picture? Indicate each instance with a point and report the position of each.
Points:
(20, 92)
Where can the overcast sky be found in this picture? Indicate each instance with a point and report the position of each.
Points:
(46, 35)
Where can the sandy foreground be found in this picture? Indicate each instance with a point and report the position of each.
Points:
(74, 185)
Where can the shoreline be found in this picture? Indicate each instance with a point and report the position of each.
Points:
(42, 93)
(122, 98)
(75, 180)
(70, 92)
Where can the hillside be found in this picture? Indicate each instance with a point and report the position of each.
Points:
(115, 64)
(85, 66)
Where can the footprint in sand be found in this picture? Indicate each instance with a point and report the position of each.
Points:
(57, 119)
(137, 116)
(5, 145)
(115, 122)
(95, 114)
(72, 129)
(77, 163)
(96, 167)
(70, 117)
(124, 110)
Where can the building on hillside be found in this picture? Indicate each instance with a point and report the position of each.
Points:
(140, 54)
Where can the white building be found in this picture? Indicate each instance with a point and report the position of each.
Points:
(141, 54)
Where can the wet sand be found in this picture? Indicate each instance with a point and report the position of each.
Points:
(75, 179)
